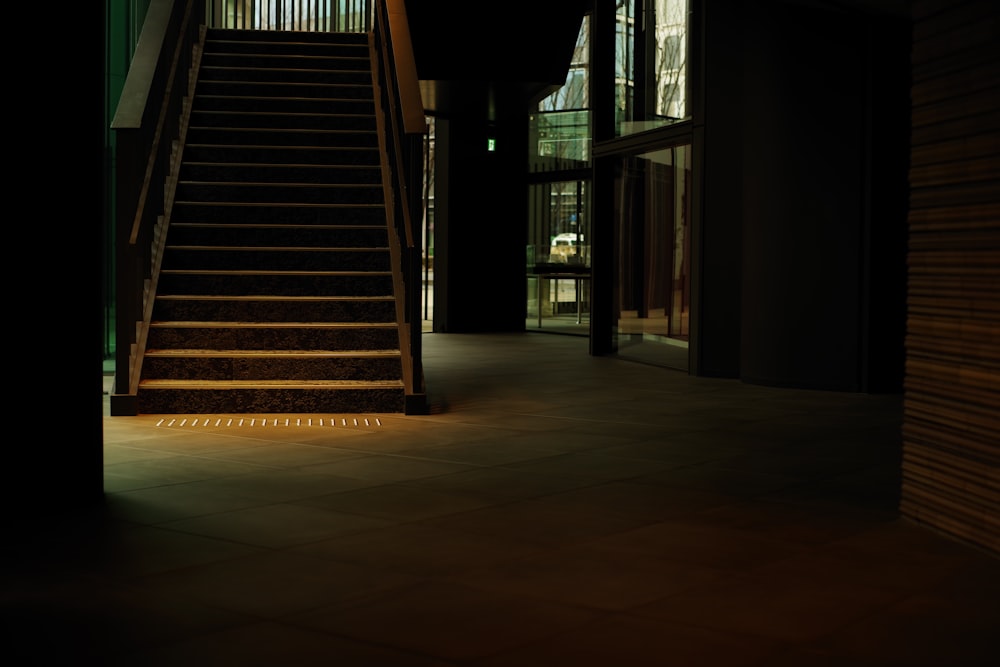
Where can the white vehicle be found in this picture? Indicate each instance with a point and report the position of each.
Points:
(567, 239)
(566, 248)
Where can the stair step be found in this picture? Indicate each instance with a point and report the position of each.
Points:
(272, 336)
(280, 193)
(343, 156)
(267, 58)
(342, 174)
(340, 71)
(272, 365)
(275, 290)
(271, 384)
(269, 213)
(298, 104)
(249, 136)
(285, 120)
(285, 89)
(282, 310)
(251, 236)
(271, 259)
(273, 354)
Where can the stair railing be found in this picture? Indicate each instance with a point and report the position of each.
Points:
(402, 127)
(150, 120)
(148, 124)
(302, 15)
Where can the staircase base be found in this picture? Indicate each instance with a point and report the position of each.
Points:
(378, 399)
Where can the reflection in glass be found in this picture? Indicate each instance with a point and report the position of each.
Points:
(559, 131)
(559, 140)
(652, 217)
(651, 64)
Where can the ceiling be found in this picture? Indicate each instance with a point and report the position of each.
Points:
(491, 59)
(497, 58)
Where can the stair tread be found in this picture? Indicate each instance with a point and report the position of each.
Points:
(285, 165)
(256, 272)
(154, 352)
(275, 226)
(268, 248)
(280, 184)
(243, 112)
(251, 204)
(302, 130)
(285, 147)
(291, 98)
(266, 297)
(270, 384)
(212, 324)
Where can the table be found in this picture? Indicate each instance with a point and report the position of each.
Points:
(579, 277)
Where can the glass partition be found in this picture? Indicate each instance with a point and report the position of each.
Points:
(559, 231)
(652, 223)
(558, 257)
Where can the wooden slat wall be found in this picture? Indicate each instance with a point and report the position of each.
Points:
(951, 424)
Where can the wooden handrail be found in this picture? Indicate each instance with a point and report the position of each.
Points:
(410, 102)
(147, 126)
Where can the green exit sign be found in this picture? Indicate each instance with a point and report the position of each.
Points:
(491, 144)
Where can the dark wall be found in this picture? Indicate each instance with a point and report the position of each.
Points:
(480, 226)
(888, 193)
(718, 118)
(53, 460)
(951, 407)
(807, 210)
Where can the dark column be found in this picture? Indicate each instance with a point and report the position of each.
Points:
(602, 92)
(717, 33)
(480, 226)
(54, 445)
(803, 197)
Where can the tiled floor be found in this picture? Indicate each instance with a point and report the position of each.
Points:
(554, 510)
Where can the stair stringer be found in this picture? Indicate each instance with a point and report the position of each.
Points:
(159, 240)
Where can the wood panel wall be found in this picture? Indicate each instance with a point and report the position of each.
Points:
(951, 423)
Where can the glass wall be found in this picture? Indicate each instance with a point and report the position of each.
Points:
(558, 243)
(558, 257)
(651, 64)
(652, 234)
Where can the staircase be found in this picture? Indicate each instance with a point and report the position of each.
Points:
(275, 292)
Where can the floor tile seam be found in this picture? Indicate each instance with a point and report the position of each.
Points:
(637, 611)
(253, 551)
(629, 614)
(399, 649)
(290, 547)
(515, 468)
(491, 500)
(247, 503)
(121, 466)
(223, 432)
(388, 486)
(349, 455)
(795, 478)
(148, 484)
